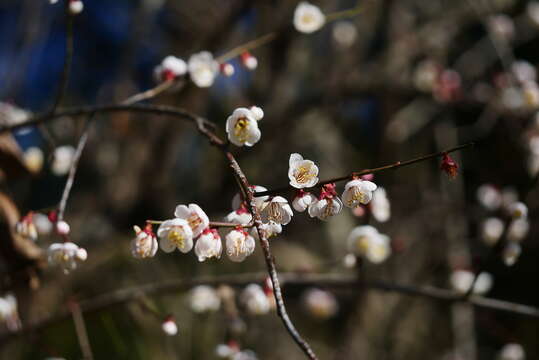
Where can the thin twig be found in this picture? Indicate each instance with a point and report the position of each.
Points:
(398, 164)
(213, 224)
(251, 45)
(80, 329)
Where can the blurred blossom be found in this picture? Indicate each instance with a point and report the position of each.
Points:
(509, 196)
(523, 71)
(26, 227)
(462, 280)
(501, 27)
(62, 227)
(349, 261)
(9, 314)
(169, 326)
(512, 351)
(426, 75)
(448, 86)
(75, 6)
(203, 69)
(518, 229)
(66, 255)
(204, 299)
(308, 18)
(532, 10)
(249, 61)
(530, 94)
(227, 69)
(517, 210)
(366, 241)
(302, 173)
(255, 300)
(344, 33)
(170, 68)
(43, 225)
(33, 159)
(511, 252)
(358, 192)
(489, 197)
(512, 98)
(12, 115)
(380, 205)
(491, 230)
(320, 304)
(277, 210)
(62, 159)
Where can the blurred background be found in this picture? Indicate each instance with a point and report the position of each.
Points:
(398, 80)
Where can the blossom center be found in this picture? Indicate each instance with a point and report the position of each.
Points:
(240, 129)
(177, 237)
(303, 174)
(357, 195)
(194, 221)
(275, 212)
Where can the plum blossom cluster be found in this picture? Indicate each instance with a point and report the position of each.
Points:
(507, 218)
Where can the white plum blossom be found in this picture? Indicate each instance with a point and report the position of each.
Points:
(75, 6)
(380, 205)
(227, 69)
(62, 159)
(195, 217)
(255, 300)
(489, 197)
(43, 224)
(302, 173)
(33, 159)
(462, 280)
(242, 128)
(169, 326)
(518, 210)
(26, 227)
(269, 229)
(358, 192)
(303, 200)
(170, 68)
(144, 244)
(308, 18)
(491, 230)
(327, 205)
(259, 200)
(320, 304)
(240, 216)
(523, 71)
(66, 255)
(511, 253)
(518, 229)
(512, 351)
(365, 240)
(62, 227)
(249, 61)
(175, 234)
(231, 351)
(277, 210)
(203, 68)
(208, 245)
(344, 33)
(203, 299)
(239, 245)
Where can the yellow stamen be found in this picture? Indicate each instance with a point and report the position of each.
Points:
(303, 175)
(177, 238)
(240, 129)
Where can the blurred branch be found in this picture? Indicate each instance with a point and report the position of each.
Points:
(80, 329)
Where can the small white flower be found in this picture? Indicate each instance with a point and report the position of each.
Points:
(169, 326)
(203, 69)
(62, 159)
(249, 61)
(144, 244)
(358, 192)
(208, 245)
(349, 261)
(366, 241)
(491, 230)
(259, 200)
(203, 299)
(227, 69)
(511, 252)
(33, 159)
(76, 6)
(489, 197)
(380, 205)
(277, 210)
(257, 112)
(303, 200)
(302, 173)
(240, 216)
(175, 234)
(523, 71)
(242, 128)
(239, 245)
(502, 27)
(518, 229)
(512, 351)
(66, 255)
(327, 205)
(170, 68)
(195, 216)
(269, 229)
(308, 18)
(43, 225)
(426, 75)
(26, 227)
(62, 227)
(344, 33)
(255, 300)
(227, 351)
(320, 303)
(462, 280)
(518, 210)
(9, 314)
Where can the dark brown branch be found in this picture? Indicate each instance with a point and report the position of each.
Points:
(398, 164)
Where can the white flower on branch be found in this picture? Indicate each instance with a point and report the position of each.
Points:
(26, 227)
(227, 69)
(366, 241)
(66, 255)
(62, 159)
(62, 227)
(259, 200)
(239, 245)
(518, 210)
(358, 192)
(170, 68)
(380, 205)
(76, 6)
(462, 280)
(491, 230)
(511, 253)
(320, 304)
(512, 351)
(203, 68)
(277, 210)
(308, 18)
(169, 326)
(144, 244)
(327, 205)
(255, 300)
(195, 217)
(208, 245)
(33, 159)
(241, 216)
(302, 173)
(242, 128)
(203, 299)
(175, 234)
(303, 200)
